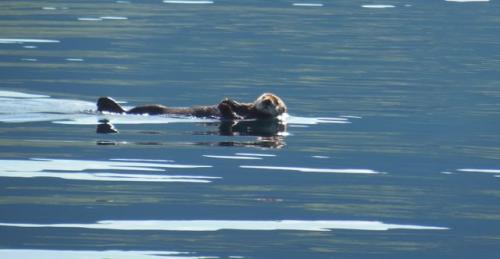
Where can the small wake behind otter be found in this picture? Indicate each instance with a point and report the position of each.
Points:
(19, 107)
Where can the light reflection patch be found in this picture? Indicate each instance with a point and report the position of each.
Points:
(377, 6)
(313, 170)
(82, 254)
(74, 170)
(308, 4)
(234, 157)
(216, 225)
(187, 2)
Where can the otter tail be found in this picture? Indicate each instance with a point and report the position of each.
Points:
(107, 104)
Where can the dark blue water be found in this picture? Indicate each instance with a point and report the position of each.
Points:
(390, 150)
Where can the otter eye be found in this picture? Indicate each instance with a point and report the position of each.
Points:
(267, 101)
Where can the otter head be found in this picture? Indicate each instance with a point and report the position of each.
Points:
(270, 105)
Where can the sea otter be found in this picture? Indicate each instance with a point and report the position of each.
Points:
(266, 106)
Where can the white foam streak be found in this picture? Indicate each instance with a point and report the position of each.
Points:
(82, 254)
(313, 170)
(216, 225)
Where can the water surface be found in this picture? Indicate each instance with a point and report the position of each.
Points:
(390, 148)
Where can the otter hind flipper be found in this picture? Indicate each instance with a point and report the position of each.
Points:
(107, 104)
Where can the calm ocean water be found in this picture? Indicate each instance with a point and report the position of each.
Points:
(390, 150)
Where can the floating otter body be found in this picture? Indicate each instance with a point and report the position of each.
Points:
(266, 106)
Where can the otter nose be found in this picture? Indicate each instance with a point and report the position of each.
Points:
(267, 102)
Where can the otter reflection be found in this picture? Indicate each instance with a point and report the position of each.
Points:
(270, 133)
(261, 128)
(105, 127)
(261, 142)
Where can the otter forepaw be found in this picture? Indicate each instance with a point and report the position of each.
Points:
(230, 102)
(227, 112)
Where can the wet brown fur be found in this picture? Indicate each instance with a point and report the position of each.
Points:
(266, 106)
